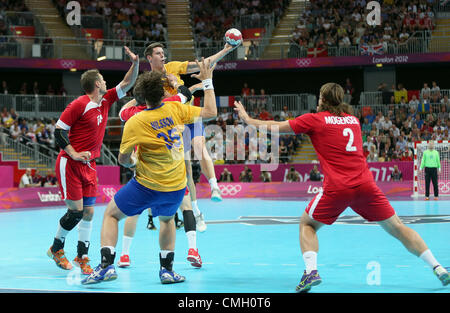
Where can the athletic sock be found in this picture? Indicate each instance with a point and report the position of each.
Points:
(195, 208)
(108, 254)
(213, 183)
(428, 258)
(61, 233)
(166, 259)
(192, 239)
(58, 244)
(310, 259)
(84, 237)
(126, 244)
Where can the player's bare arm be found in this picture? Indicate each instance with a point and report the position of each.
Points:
(62, 140)
(193, 67)
(127, 160)
(206, 73)
(132, 74)
(282, 127)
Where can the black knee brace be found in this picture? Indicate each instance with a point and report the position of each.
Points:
(189, 220)
(71, 219)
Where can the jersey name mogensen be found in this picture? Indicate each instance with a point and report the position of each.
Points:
(338, 120)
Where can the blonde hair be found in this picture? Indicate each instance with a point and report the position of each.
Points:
(333, 99)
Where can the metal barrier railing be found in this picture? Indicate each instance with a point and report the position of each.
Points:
(379, 98)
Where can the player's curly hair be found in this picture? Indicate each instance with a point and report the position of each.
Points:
(149, 88)
(333, 100)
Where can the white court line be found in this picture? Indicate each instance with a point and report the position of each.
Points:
(403, 266)
(234, 263)
(40, 277)
(261, 264)
(345, 265)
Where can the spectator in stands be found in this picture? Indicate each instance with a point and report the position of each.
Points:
(43, 137)
(246, 175)
(373, 156)
(262, 99)
(406, 156)
(15, 131)
(292, 175)
(62, 91)
(264, 115)
(24, 89)
(265, 177)
(283, 152)
(349, 90)
(435, 92)
(4, 89)
(414, 102)
(50, 179)
(425, 92)
(284, 113)
(315, 175)
(245, 90)
(35, 88)
(396, 174)
(26, 181)
(443, 115)
(226, 176)
(50, 91)
(38, 180)
(366, 127)
(445, 101)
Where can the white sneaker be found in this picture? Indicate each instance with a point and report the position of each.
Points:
(201, 225)
(442, 274)
(216, 195)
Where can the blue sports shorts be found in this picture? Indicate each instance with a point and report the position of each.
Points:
(133, 198)
(190, 131)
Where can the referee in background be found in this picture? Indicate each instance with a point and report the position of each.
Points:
(432, 164)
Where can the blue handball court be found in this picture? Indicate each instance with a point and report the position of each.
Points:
(250, 246)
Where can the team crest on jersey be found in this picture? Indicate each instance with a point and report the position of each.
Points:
(99, 119)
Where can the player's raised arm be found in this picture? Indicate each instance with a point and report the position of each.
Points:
(282, 127)
(132, 74)
(193, 66)
(206, 72)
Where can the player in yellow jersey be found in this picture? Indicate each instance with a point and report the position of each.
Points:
(160, 179)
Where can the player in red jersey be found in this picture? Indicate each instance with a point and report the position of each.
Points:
(336, 136)
(79, 133)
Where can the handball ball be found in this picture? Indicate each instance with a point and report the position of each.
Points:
(233, 37)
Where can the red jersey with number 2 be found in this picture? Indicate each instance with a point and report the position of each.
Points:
(338, 144)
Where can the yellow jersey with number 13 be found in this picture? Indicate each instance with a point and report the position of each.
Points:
(158, 134)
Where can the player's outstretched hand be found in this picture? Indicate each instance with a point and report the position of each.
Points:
(172, 80)
(134, 58)
(240, 110)
(229, 47)
(206, 71)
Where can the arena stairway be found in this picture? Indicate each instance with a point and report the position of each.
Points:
(440, 36)
(56, 26)
(305, 153)
(8, 154)
(281, 36)
(179, 30)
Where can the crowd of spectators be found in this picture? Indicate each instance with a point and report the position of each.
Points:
(210, 19)
(32, 132)
(34, 89)
(141, 20)
(332, 23)
(30, 179)
(391, 136)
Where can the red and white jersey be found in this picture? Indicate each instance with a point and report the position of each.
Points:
(86, 121)
(126, 114)
(339, 147)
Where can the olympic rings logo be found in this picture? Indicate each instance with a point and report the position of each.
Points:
(444, 187)
(303, 62)
(230, 190)
(67, 63)
(109, 192)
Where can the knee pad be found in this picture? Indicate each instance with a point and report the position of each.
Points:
(71, 219)
(189, 221)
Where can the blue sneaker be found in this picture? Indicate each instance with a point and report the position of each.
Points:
(308, 280)
(442, 274)
(170, 277)
(100, 274)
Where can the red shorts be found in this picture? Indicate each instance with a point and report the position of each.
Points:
(186, 192)
(76, 180)
(367, 200)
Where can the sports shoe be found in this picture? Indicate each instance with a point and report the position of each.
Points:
(200, 223)
(100, 274)
(194, 258)
(83, 264)
(442, 274)
(124, 261)
(426, 198)
(59, 258)
(436, 198)
(308, 280)
(170, 277)
(216, 195)
(151, 225)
